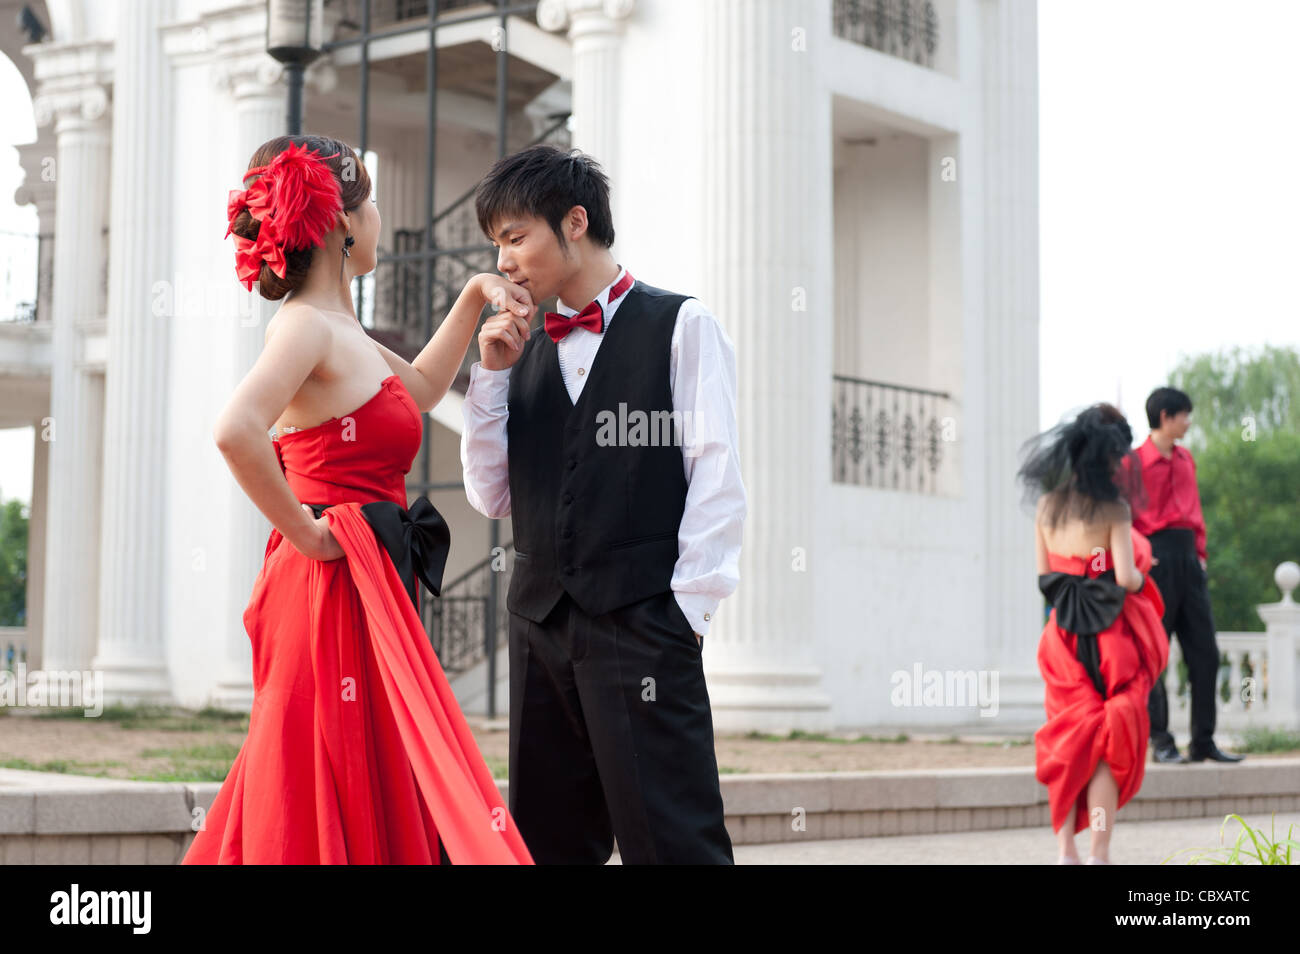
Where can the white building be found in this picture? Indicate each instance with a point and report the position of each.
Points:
(851, 187)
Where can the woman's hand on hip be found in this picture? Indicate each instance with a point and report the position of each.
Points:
(322, 545)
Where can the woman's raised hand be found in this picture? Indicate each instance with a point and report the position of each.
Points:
(501, 340)
(505, 294)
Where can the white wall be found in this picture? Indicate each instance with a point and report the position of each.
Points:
(902, 580)
(882, 262)
(907, 580)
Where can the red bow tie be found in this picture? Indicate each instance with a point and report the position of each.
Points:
(592, 317)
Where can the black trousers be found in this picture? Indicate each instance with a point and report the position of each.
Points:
(611, 736)
(1183, 584)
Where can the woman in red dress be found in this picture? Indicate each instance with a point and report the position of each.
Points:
(357, 752)
(1103, 645)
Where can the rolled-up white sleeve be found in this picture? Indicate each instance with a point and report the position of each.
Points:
(703, 369)
(483, 443)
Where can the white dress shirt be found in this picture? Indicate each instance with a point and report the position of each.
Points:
(702, 369)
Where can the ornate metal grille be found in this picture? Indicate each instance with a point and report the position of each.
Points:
(908, 29)
(897, 438)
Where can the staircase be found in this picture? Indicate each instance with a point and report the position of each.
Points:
(459, 251)
(469, 626)
(470, 618)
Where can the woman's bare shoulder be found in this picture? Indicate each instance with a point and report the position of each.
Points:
(297, 318)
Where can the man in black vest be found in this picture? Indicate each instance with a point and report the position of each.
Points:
(617, 462)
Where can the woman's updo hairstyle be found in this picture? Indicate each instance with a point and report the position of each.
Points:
(1082, 465)
(354, 188)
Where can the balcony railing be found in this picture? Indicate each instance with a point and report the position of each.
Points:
(1253, 688)
(1242, 678)
(908, 29)
(390, 13)
(893, 437)
(20, 275)
(13, 647)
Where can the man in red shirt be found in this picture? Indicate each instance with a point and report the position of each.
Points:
(1172, 521)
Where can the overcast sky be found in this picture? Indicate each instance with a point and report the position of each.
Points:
(1169, 205)
(1169, 198)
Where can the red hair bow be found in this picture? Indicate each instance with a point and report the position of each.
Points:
(295, 198)
(250, 255)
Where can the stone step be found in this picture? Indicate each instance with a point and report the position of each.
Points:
(63, 819)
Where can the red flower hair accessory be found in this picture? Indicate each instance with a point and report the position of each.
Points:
(295, 198)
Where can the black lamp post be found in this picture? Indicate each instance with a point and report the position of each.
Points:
(293, 36)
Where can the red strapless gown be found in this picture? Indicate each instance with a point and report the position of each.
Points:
(357, 752)
(1083, 729)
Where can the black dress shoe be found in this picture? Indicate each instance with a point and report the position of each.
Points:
(1213, 754)
(1169, 753)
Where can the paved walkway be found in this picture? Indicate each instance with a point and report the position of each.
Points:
(1134, 843)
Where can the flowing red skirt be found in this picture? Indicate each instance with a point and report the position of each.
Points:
(357, 751)
(1082, 729)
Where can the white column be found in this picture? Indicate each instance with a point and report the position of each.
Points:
(36, 537)
(1009, 156)
(132, 648)
(38, 190)
(81, 115)
(767, 157)
(254, 80)
(595, 30)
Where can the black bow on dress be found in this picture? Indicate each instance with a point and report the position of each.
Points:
(417, 540)
(1085, 606)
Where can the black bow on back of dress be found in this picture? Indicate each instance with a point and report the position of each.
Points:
(1085, 606)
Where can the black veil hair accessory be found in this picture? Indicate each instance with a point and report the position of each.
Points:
(1083, 463)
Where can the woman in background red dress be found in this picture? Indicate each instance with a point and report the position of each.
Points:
(357, 752)
(1103, 645)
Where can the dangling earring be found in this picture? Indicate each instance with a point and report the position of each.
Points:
(348, 242)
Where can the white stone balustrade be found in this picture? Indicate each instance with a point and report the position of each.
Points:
(1261, 667)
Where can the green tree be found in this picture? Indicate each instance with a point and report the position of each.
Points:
(1233, 389)
(1250, 494)
(1246, 441)
(13, 563)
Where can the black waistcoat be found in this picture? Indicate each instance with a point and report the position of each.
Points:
(595, 500)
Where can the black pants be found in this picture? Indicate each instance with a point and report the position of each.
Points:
(1183, 584)
(611, 736)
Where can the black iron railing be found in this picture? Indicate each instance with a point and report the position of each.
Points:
(470, 620)
(459, 251)
(893, 437)
(384, 13)
(908, 29)
(416, 281)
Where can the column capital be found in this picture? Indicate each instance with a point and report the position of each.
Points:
(250, 74)
(57, 64)
(89, 104)
(232, 41)
(257, 74)
(38, 186)
(73, 81)
(556, 15)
